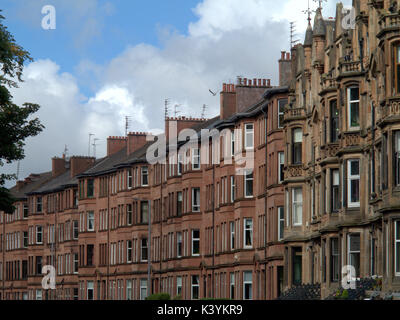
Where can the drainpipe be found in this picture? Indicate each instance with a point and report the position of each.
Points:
(213, 231)
(161, 224)
(108, 238)
(265, 205)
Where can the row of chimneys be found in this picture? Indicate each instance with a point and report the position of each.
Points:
(76, 164)
(285, 55)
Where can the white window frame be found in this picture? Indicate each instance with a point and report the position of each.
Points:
(193, 241)
(248, 172)
(232, 189)
(195, 207)
(249, 136)
(89, 286)
(195, 159)
(297, 205)
(130, 179)
(179, 238)
(144, 171)
(90, 218)
(180, 161)
(129, 249)
(247, 282)
(281, 218)
(280, 125)
(179, 285)
(37, 233)
(141, 250)
(349, 107)
(232, 234)
(281, 164)
(195, 286)
(233, 143)
(350, 178)
(248, 229)
(143, 286)
(349, 252)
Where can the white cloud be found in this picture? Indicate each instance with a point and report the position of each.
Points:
(230, 38)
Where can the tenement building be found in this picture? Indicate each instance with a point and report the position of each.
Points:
(289, 185)
(342, 140)
(195, 212)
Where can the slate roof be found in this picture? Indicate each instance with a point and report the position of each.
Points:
(56, 184)
(38, 181)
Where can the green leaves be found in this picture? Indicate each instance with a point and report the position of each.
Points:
(16, 123)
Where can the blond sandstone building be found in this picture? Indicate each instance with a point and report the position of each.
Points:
(323, 194)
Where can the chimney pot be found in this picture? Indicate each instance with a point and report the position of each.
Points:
(224, 87)
(283, 55)
(245, 81)
(269, 82)
(288, 56)
(264, 82)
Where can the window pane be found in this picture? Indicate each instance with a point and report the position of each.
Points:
(354, 94)
(355, 168)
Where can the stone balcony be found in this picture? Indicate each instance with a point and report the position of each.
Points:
(347, 67)
(294, 171)
(391, 109)
(295, 114)
(350, 139)
(329, 84)
(388, 22)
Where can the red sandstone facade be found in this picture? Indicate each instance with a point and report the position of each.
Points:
(214, 232)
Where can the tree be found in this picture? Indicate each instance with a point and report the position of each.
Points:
(16, 123)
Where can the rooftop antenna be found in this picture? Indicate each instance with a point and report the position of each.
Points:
(94, 147)
(292, 34)
(320, 3)
(203, 112)
(90, 138)
(166, 108)
(128, 121)
(176, 111)
(309, 12)
(66, 151)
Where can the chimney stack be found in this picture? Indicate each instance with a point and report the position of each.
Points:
(136, 140)
(80, 164)
(285, 66)
(58, 166)
(115, 144)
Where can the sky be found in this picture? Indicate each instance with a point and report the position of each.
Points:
(109, 59)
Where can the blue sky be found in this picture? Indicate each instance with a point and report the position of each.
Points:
(121, 24)
(111, 59)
